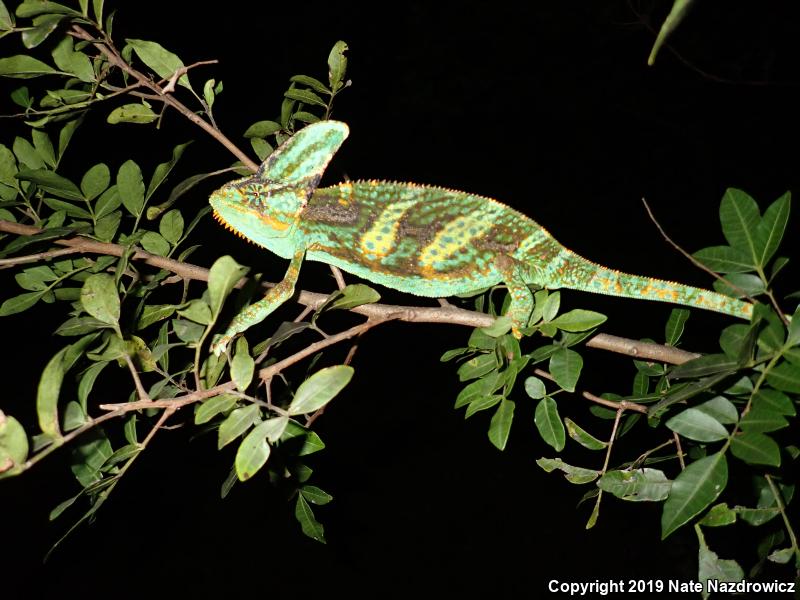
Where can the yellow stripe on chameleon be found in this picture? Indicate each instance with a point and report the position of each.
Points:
(379, 240)
(454, 236)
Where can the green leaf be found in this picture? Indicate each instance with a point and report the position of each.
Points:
(239, 421)
(319, 389)
(23, 66)
(482, 403)
(162, 170)
(697, 486)
(107, 226)
(20, 303)
(28, 155)
(171, 226)
(130, 186)
(70, 61)
(674, 328)
(725, 259)
(154, 243)
(719, 515)
(355, 294)
(500, 425)
(337, 65)
(253, 452)
(781, 556)
(306, 96)
(740, 217)
(477, 389)
(32, 8)
(94, 183)
(100, 299)
(6, 19)
(565, 367)
(712, 568)
(501, 325)
(214, 406)
(305, 117)
(197, 311)
(772, 226)
(107, 203)
(208, 92)
(756, 449)
(305, 516)
(697, 425)
(161, 60)
(51, 182)
(638, 485)
(242, 365)
(551, 305)
(721, 409)
(43, 145)
(224, 274)
(740, 284)
(775, 401)
(262, 129)
(579, 320)
(549, 424)
(762, 419)
(315, 495)
(583, 437)
(43, 26)
(535, 388)
(477, 366)
(86, 383)
(13, 446)
(708, 364)
(314, 84)
(576, 475)
(785, 377)
(48, 393)
(68, 208)
(132, 113)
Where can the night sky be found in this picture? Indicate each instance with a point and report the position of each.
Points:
(549, 107)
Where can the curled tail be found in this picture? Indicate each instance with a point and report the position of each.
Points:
(575, 272)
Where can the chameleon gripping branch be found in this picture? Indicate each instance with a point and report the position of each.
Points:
(422, 240)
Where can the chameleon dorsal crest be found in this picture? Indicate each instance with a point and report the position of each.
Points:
(417, 239)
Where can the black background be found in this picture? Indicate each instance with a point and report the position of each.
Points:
(548, 107)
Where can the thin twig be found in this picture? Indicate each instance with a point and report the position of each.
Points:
(615, 405)
(691, 258)
(106, 47)
(617, 417)
(679, 448)
(29, 258)
(140, 391)
(269, 372)
(641, 350)
(337, 275)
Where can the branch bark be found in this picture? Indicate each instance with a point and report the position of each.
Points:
(446, 313)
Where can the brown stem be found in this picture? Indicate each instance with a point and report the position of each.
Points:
(108, 50)
(620, 405)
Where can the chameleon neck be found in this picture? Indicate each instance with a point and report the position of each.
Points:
(571, 271)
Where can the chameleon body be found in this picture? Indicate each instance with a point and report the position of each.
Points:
(419, 239)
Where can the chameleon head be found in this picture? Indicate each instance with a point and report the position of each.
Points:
(256, 210)
(263, 208)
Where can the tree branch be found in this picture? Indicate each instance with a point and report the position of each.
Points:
(106, 47)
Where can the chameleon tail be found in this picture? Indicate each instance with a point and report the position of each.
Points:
(575, 272)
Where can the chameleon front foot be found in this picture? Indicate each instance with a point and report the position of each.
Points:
(221, 345)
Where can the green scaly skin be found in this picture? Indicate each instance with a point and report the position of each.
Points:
(423, 240)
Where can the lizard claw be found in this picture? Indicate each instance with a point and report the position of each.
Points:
(220, 346)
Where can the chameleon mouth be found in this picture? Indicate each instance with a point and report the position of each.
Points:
(228, 226)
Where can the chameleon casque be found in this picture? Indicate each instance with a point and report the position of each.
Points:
(419, 239)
